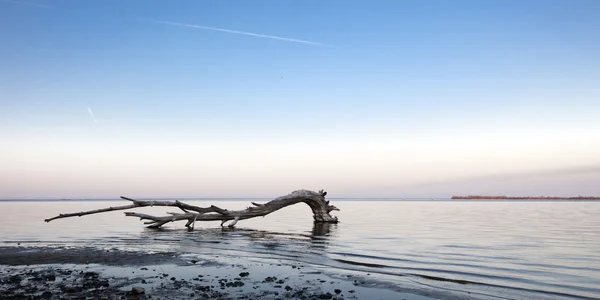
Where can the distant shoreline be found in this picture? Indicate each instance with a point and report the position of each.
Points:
(466, 198)
(482, 197)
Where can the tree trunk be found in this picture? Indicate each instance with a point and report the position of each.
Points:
(316, 200)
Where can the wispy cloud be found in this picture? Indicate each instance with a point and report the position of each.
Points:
(30, 4)
(91, 112)
(566, 181)
(258, 35)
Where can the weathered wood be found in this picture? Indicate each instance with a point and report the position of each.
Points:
(138, 203)
(315, 200)
(156, 222)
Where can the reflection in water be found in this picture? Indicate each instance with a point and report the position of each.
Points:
(242, 239)
(321, 229)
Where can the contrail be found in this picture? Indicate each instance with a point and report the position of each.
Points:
(91, 112)
(258, 35)
(273, 37)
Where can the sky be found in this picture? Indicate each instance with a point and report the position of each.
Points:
(158, 98)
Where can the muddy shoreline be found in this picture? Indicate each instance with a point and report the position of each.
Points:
(88, 273)
(19, 256)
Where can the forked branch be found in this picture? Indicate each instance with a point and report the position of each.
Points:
(138, 203)
(315, 200)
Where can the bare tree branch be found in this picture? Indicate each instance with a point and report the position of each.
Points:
(138, 203)
(315, 200)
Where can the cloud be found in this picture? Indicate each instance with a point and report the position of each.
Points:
(91, 112)
(570, 181)
(579, 170)
(273, 37)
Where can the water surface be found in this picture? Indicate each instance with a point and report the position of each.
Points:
(511, 249)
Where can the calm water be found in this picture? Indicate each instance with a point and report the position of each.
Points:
(511, 250)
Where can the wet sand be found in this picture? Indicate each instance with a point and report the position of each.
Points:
(18, 256)
(79, 273)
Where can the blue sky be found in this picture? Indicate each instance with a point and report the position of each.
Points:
(259, 98)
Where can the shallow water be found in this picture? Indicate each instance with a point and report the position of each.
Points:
(508, 249)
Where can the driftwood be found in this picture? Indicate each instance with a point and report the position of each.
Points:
(316, 200)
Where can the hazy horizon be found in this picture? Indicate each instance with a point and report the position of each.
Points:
(408, 99)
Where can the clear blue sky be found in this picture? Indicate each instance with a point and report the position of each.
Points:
(259, 98)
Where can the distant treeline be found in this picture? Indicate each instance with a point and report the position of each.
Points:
(482, 197)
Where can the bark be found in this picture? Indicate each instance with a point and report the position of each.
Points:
(315, 200)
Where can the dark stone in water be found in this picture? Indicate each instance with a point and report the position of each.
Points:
(234, 284)
(203, 288)
(50, 277)
(337, 291)
(288, 288)
(91, 274)
(244, 274)
(136, 290)
(326, 296)
(46, 295)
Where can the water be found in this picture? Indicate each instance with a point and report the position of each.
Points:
(509, 249)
